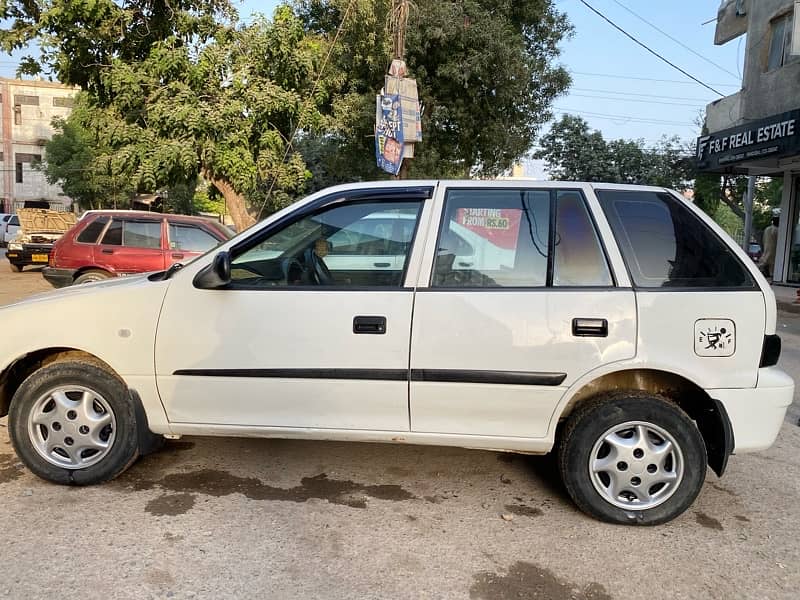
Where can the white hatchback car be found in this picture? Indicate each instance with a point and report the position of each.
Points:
(616, 325)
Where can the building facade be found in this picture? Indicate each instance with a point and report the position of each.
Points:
(756, 131)
(28, 108)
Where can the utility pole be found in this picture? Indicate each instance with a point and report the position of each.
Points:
(399, 23)
(748, 211)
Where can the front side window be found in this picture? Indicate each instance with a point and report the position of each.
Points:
(136, 234)
(665, 245)
(493, 238)
(14, 222)
(348, 245)
(190, 238)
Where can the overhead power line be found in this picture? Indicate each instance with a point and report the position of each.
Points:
(614, 76)
(639, 94)
(646, 47)
(628, 118)
(642, 100)
(676, 40)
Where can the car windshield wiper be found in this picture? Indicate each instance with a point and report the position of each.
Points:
(174, 268)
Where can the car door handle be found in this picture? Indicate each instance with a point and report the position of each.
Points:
(177, 255)
(372, 325)
(590, 327)
(107, 251)
(382, 264)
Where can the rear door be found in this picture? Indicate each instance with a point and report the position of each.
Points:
(519, 303)
(132, 245)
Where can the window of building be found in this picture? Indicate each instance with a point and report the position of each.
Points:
(780, 41)
(17, 114)
(64, 101)
(18, 170)
(29, 100)
(665, 245)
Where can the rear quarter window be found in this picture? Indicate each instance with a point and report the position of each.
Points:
(92, 231)
(666, 245)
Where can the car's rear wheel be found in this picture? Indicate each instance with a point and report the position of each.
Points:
(74, 423)
(16, 268)
(632, 458)
(91, 276)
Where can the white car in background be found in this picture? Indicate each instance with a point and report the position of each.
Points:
(617, 326)
(4, 219)
(11, 229)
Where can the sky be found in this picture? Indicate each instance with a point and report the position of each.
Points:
(614, 85)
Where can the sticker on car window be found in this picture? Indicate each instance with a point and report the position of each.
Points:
(714, 337)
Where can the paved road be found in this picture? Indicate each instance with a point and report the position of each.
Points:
(217, 518)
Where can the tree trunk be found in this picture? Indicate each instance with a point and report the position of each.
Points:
(234, 202)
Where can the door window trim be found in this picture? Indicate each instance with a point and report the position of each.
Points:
(422, 194)
(553, 217)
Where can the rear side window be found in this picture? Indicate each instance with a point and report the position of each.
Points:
(92, 231)
(494, 238)
(137, 234)
(14, 221)
(665, 245)
(579, 258)
(190, 238)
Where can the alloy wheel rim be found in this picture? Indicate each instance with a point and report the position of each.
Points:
(636, 465)
(72, 427)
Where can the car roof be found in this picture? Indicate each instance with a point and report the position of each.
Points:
(140, 214)
(484, 183)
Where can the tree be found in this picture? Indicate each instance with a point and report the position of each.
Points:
(69, 160)
(176, 90)
(574, 152)
(486, 72)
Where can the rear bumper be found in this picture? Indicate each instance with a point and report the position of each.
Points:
(756, 414)
(59, 278)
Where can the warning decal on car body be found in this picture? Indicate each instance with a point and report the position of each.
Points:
(714, 337)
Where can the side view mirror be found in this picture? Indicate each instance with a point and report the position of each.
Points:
(215, 275)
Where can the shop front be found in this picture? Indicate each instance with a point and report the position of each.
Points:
(766, 147)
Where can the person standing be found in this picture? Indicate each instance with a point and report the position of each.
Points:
(769, 245)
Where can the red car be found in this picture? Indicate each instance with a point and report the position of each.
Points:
(110, 243)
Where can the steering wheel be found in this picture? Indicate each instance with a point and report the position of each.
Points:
(317, 267)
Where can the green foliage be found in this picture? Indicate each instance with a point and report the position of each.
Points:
(576, 153)
(182, 94)
(486, 72)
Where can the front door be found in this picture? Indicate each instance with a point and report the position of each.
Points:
(297, 339)
(520, 304)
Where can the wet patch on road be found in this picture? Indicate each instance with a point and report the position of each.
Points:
(523, 510)
(221, 483)
(177, 446)
(9, 468)
(708, 522)
(505, 457)
(526, 580)
(170, 505)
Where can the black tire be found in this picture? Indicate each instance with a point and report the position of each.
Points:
(16, 268)
(591, 422)
(125, 446)
(90, 276)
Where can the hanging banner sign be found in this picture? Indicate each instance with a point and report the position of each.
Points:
(389, 133)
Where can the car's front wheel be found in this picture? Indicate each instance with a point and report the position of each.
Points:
(632, 458)
(73, 423)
